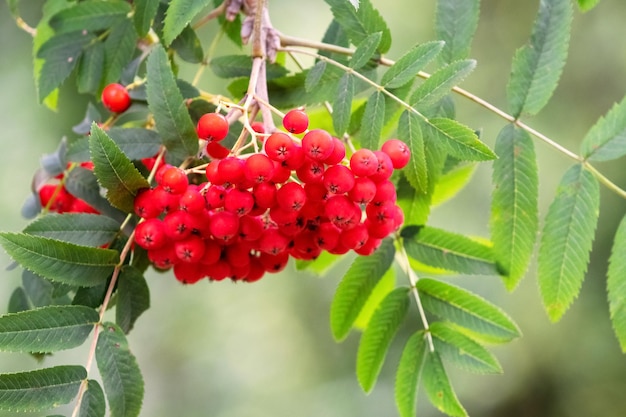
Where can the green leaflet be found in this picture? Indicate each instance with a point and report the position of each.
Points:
(122, 380)
(361, 22)
(46, 329)
(188, 46)
(82, 183)
(93, 403)
(171, 116)
(233, 66)
(410, 132)
(145, 11)
(365, 50)
(616, 284)
(14, 7)
(372, 121)
(438, 387)
(41, 292)
(439, 84)
(410, 64)
(378, 336)
(114, 171)
(356, 286)
(462, 351)
(408, 375)
(133, 298)
(468, 310)
(606, 140)
(447, 250)
(91, 15)
(135, 142)
(537, 66)
(78, 228)
(459, 140)
(41, 389)
(455, 24)
(414, 204)
(60, 261)
(342, 105)
(118, 50)
(320, 265)
(514, 206)
(384, 286)
(314, 75)
(18, 301)
(566, 240)
(586, 5)
(90, 68)
(179, 14)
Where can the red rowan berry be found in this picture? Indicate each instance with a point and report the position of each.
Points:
(192, 201)
(238, 201)
(115, 98)
(318, 144)
(150, 234)
(384, 168)
(174, 180)
(212, 252)
(296, 121)
(188, 273)
(264, 194)
(278, 146)
(363, 163)
(398, 151)
(338, 153)
(216, 150)
(364, 190)
(311, 171)
(224, 225)
(291, 196)
(338, 179)
(212, 126)
(258, 168)
(190, 249)
(177, 224)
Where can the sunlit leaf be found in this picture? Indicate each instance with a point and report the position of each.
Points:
(408, 375)
(586, 5)
(386, 284)
(438, 386)
(342, 105)
(410, 132)
(372, 121)
(459, 140)
(361, 22)
(414, 204)
(452, 182)
(439, 84)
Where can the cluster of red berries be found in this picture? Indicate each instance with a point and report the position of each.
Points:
(54, 197)
(296, 198)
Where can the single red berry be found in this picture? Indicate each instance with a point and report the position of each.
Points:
(178, 224)
(385, 191)
(224, 225)
(296, 158)
(311, 171)
(190, 249)
(356, 237)
(237, 254)
(291, 196)
(274, 262)
(238, 201)
(259, 168)
(215, 196)
(281, 173)
(255, 272)
(338, 179)
(115, 97)
(188, 273)
(250, 228)
(398, 151)
(327, 236)
(230, 171)
(318, 144)
(363, 162)
(192, 201)
(212, 252)
(273, 242)
(338, 153)
(384, 168)
(150, 234)
(279, 146)
(146, 205)
(369, 247)
(174, 180)
(342, 212)
(81, 206)
(364, 190)
(296, 121)
(163, 257)
(56, 198)
(265, 195)
(165, 200)
(212, 126)
(216, 150)
(218, 271)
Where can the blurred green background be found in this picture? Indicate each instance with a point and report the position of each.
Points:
(259, 350)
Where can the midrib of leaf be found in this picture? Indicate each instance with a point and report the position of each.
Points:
(120, 179)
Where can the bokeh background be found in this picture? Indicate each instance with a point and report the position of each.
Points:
(260, 350)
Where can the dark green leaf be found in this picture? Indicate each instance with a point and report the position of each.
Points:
(133, 298)
(60, 261)
(462, 351)
(179, 15)
(455, 24)
(90, 296)
(232, 66)
(356, 286)
(537, 66)
(93, 403)
(79, 228)
(616, 284)
(606, 140)
(361, 22)
(410, 64)
(365, 50)
(438, 387)
(145, 11)
(18, 301)
(121, 377)
(314, 75)
(342, 106)
(408, 376)
(188, 46)
(90, 68)
(41, 389)
(136, 143)
(91, 15)
(60, 53)
(566, 240)
(439, 84)
(378, 335)
(115, 172)
(170, 113)
(514, 213)
(467, 310)
(450, 251)
(82, 183)
(410, 132)
(372, 121)
(118, 50)
(46, 329)
(459, 140)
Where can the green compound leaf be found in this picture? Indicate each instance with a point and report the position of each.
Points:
(462, 351)
(60, 261)
(233, 66)
(378, 336)
(438, 386)
(78, 228)
(93, 403)
(179, 15)
(14, 7)
(514, 206)
(455, 24)
(115, 172)
(91, 15)
(118, 50)
(384, 286)
(408, 375)
(468, 310)
(410, 64)
(60, 53)
(356, 287)
(145, 11)
(537, 66)
(414, 204)
(133, 298)
(373, 120)
(606, 140)
(439, 84)
(171, 116)
(459, 140)
(410, 132)
(453, 252)
(342, 106)
(616, 284)
(46, 329)
(90, 68)
(365, 50)
(121, 377)
(135, 142)
(41, 389)
(359, 23)
(567, 239)
(586, 5)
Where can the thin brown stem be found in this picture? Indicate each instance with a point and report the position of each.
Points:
(211, 15)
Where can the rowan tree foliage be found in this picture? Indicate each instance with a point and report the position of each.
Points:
(308, 164)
